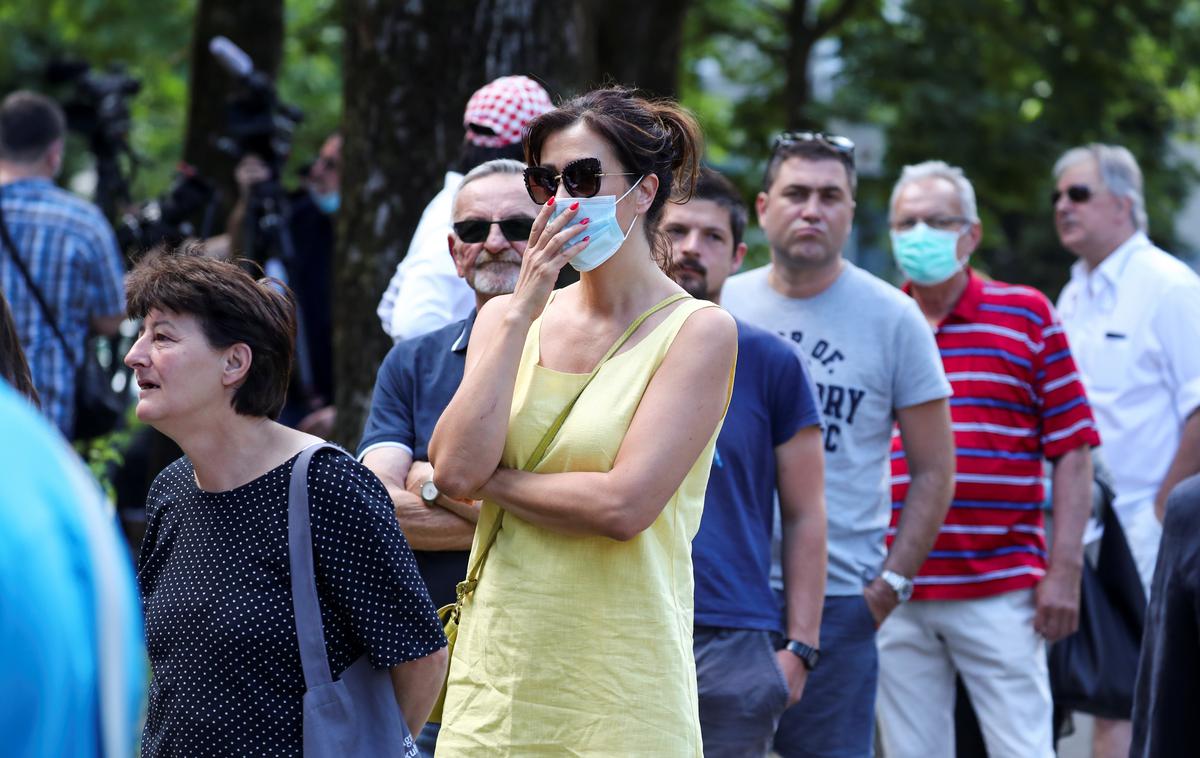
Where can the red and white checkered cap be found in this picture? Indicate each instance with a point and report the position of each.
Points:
(506, 106)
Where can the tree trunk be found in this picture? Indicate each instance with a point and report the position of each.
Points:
(806, 25)
(636, 43)
(409, 69)
(538, 38)
(257, 28)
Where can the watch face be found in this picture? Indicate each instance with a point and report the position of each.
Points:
(807, 653)
(429, 491)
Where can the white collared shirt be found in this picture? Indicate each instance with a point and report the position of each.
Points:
(426, 292)
(1134, 327)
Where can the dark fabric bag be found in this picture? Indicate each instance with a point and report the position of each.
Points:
(356, 715)
(98, 408)
(1094, 670)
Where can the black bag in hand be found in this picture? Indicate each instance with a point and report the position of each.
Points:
(1094, 669)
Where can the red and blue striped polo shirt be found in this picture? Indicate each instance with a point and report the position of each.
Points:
(1017, 400)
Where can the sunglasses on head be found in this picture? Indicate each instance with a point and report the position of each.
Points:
(843, 145)
(514, 229)
(581, 178)
(1076, 193)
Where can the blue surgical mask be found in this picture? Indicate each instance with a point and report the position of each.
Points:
(327, 203)
(926, 255)
(605, 232)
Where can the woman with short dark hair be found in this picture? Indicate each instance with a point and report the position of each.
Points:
(212, 364)
(577, 637)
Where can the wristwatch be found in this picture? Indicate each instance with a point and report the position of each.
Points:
(429, 493)
(808, 654)
(902, 585)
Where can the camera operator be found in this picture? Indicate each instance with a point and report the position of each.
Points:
(310, 224)
(63, 244)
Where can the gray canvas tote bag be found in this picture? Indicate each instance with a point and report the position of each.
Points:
(356, 715)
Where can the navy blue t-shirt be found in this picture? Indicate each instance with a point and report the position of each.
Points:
(731, 555)
(416, 382)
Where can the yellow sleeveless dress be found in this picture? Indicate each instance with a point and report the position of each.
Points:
(581, 646)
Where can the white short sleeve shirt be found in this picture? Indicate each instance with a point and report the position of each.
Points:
(426, 292)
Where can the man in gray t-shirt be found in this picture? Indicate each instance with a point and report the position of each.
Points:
(875, 363)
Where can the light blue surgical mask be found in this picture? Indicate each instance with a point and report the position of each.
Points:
(327, 203)
(605, 232)
(926, 255)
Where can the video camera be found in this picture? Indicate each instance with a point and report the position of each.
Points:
(99, 111)
(170, 218)
(256, 122)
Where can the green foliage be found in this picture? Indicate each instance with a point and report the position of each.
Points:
(1002, 88)
(104, 455)
(999, 87)
(734, 78)
(153, 41)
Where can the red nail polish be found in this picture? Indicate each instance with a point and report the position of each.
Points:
(585, 221)
(574, 205)
(585, 239)
(550, 201)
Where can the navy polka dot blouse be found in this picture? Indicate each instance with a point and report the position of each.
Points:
(220, 628)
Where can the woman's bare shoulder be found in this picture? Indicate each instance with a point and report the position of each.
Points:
(710, 330)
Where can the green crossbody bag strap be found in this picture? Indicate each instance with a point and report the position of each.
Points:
(539, 452)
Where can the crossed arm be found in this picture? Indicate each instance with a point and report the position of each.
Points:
(675, 420)
(425, 528)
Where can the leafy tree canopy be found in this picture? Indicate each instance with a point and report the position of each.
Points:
(153, 41)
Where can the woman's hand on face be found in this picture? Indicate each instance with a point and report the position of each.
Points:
(545, 256)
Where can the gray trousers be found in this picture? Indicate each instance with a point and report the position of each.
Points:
(741, 688)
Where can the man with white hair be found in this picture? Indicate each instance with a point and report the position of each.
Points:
(425, 292)
(1132, 312)
(986, 599)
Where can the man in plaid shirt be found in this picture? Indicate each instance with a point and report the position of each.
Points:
(65, 243)
(989, 596)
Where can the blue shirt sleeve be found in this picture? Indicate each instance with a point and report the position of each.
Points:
(792, 398)
(392, 418)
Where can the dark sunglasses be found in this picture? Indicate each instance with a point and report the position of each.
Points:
(515, 229)
(580, 177)
(843, 145)
(1076, 193)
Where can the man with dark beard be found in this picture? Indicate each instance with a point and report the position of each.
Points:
(771, 441)
(492, 216)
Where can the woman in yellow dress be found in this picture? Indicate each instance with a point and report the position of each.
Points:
(577, 639)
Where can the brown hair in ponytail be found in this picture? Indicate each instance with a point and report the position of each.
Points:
(657, 137)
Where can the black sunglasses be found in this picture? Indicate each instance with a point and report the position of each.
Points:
(580, 177)
(515, 229)
(1076, 193)
(843, 145)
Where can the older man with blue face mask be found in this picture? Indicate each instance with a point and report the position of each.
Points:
(986, 600)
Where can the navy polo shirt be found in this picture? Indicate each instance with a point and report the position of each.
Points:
(418, 378)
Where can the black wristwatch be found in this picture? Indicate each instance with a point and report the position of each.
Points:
(806, 653)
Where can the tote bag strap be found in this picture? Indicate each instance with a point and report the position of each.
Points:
(309, 629)
(539, 452)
